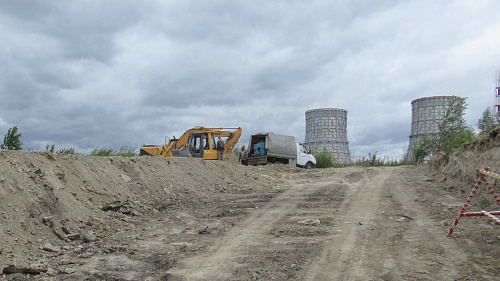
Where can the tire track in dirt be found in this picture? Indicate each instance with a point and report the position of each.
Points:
(386, 234)
(426, 253)
(254, 237)
(373, 227)
(342, 255)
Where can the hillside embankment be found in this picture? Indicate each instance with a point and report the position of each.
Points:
(71, 217)
(456, 170)
(461, 163)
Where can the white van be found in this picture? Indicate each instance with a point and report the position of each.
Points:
(273, 148)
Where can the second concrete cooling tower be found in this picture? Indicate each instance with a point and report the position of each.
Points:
(326, 130)
(427, 114)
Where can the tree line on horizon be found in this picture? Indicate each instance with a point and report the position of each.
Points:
(453, 132)
(12, 141)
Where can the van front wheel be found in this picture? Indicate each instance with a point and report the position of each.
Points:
(308, 165)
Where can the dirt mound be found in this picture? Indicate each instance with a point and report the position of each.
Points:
(70, 217)
(461, 163)
(54, 204)
(456, 171)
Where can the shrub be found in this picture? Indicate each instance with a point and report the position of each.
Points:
(124, 151)
(323, 159)
(67, 151)
(101, 152)
(12, 140)
(374, 161)
(52, 149)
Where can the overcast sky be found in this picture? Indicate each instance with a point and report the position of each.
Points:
(102, 74)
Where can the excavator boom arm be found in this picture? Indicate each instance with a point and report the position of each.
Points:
(181, 143)
(232, 139)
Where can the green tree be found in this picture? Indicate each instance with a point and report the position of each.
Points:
(487, 123)
(453, 130)
(12, 140)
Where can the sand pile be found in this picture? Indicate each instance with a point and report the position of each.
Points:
(52, 203)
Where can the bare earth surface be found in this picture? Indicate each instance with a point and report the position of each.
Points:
(65, 217)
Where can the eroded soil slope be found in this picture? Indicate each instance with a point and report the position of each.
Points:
(66, 217)
(60, 211)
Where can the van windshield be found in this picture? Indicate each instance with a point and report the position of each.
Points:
(304, 149)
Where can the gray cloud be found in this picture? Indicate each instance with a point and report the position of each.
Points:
(107, 74)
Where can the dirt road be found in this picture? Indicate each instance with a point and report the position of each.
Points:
(112, 218)
(343, 224)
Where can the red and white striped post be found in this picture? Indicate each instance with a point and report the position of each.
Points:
(489, 214)
(481, 179)
(462, 211)
(490, 188)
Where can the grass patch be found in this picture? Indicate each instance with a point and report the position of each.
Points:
(373, 160)
(326, 160)
(52, 149)
(124, 151)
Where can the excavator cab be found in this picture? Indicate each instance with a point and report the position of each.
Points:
(198, 145)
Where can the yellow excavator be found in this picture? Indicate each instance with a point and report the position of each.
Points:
(198, 142)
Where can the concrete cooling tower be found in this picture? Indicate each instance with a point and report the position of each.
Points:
(326, 130)
(427, 114)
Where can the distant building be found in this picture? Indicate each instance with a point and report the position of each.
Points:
(326, 130)
(427, 114)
